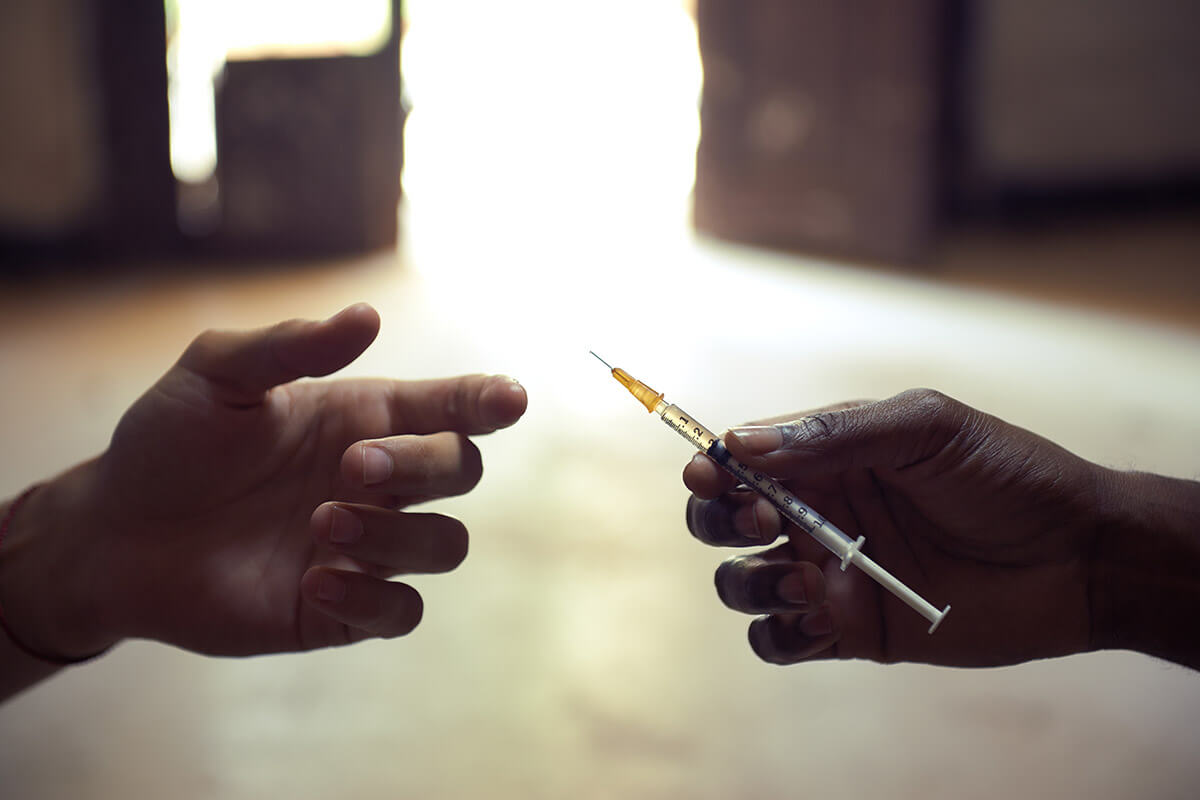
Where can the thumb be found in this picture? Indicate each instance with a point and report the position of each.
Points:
(242, 365)
(888, 434)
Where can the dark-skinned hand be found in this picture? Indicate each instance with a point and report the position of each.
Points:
(1040, 553)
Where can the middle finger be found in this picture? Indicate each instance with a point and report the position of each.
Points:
(740, 518)
(414, 466)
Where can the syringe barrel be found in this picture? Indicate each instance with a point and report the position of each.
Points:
(787, 503)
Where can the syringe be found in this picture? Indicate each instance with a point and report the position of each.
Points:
(790, 506)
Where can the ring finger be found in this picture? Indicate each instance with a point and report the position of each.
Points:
(391, 542)
(770, 582)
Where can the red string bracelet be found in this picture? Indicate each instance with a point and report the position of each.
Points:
(49, 658)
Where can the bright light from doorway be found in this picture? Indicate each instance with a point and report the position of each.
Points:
(552, 118)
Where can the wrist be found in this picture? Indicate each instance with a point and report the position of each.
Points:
(1145, 575)
(49, 574)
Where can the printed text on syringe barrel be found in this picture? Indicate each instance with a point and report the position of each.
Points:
(712, 446)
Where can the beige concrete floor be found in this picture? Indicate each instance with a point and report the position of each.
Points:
(580, 650)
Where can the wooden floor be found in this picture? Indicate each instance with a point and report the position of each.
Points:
(581, 651)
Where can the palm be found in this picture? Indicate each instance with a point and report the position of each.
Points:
(233, 516)
(960, 506)
(1001, 544)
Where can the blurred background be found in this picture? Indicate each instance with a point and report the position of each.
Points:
(755, 207)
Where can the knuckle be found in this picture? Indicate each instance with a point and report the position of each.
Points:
(423, 463)
(929, 404)
(203, 347)
(824, 424)
(454, 464)
(462, 400)
(940, 415)
(416, 464)
(821, 426)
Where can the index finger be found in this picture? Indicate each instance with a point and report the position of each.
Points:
(468, 404)
(786, 418)
(707, 480)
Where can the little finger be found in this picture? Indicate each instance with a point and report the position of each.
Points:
(366, 606)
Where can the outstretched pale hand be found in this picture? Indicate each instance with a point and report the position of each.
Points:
(239, 510)
(964, 508)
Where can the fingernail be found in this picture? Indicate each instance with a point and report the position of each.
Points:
(499, 385)
(759, 439)
(818, 623)
(515, 389)
(791, 588)
(350, 309)
(331, 588)
(376, 464)
(745, 523)
(344, 526)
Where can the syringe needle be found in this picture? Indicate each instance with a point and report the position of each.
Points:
(601, 360)
(651, 399)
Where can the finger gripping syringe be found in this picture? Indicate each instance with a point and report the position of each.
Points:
(791, 507)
